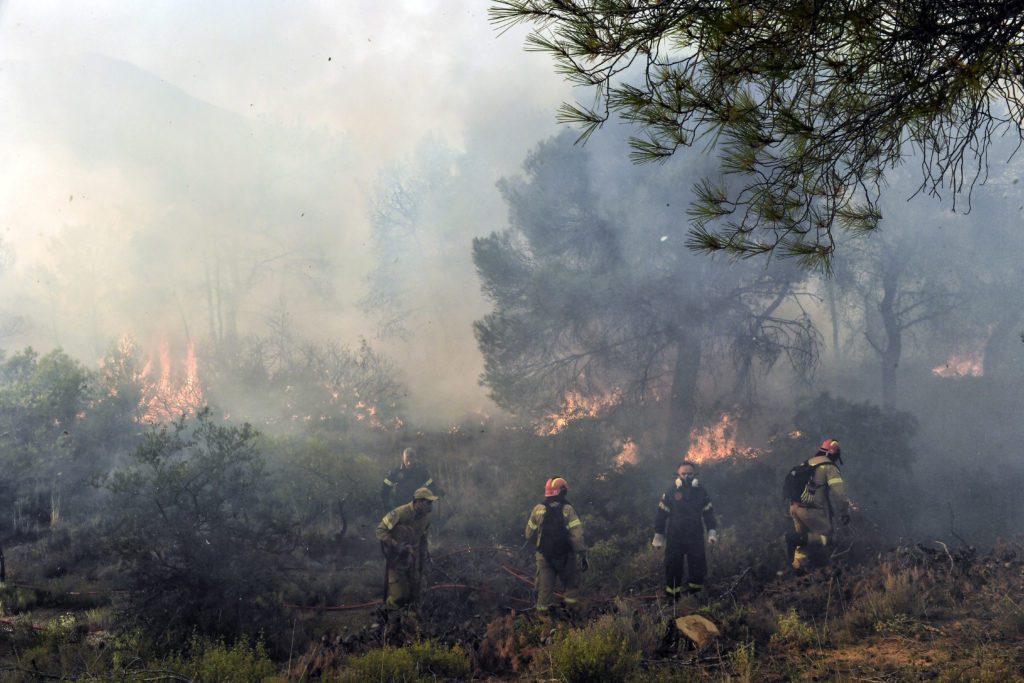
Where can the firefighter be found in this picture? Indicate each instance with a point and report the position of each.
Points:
(684, 512)
(822, 501)
(560, 551)
(402, 481)
(403, 538)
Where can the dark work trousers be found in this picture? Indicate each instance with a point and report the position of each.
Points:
(681, 556)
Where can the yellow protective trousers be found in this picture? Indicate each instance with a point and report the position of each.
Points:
(565, 568)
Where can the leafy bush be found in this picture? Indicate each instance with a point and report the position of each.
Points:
(743, 661)
(601, 652)
(793, 630)
(215, 662)
(424, 661)
(193, 520)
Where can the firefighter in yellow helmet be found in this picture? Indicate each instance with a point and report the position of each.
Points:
(557, 533)
(821, 503)
(403, 538)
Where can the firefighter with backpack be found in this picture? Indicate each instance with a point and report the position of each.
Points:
(557, 533)
(817, 498)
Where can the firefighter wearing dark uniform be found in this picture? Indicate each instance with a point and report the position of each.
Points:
(684, 512)
(823, 501)
(403, 538)
(557, 533)
(402, 481)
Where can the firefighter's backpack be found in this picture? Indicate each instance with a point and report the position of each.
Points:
(795, 483)
(554, 542)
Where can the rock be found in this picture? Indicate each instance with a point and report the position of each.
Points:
(698, 629)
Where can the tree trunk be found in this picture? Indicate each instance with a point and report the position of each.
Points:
(893, 349)
(683, 399)
(833, 310)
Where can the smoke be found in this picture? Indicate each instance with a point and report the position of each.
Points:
(180, 171)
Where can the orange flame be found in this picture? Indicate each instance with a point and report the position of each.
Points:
(576, 406)
(168, 398)
(717, 441)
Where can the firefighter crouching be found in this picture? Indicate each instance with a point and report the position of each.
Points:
(561, 553)
(403, 538)
(822, 502)
(684, 512)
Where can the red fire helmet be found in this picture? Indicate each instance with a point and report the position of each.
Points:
(830, 447)
(554, 486)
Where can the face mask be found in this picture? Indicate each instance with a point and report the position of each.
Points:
(692, 478)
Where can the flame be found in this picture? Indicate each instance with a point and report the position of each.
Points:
(967, 364)
(717, 441)
(576, 406)
(171, 395)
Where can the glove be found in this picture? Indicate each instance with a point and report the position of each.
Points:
(659, 541)
(584, 562)
(712, 537)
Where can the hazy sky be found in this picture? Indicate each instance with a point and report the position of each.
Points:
(150, 146)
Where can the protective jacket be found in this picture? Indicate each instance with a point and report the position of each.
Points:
(823, 500)
(403, 538)
(558, 559)
(684, 512)
(401, 483)
(572, 522)
(825, 490)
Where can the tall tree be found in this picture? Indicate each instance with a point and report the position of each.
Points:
(590, 297)
(810, 101)
(901, 288)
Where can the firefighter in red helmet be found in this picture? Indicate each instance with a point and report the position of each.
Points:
(821, 502)
(557, 533)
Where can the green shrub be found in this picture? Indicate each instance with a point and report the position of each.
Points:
(601, 652)
(743, 661)
(211, 662)
(194, 521)
(239, 663)
(793, 630)
(65, 629)
(424, 661)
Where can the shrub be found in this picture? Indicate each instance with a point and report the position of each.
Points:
(601, 652)
(65, 629)
(219, 663)
(743, 661)
(793, 630)
(194, 522)
(424, 661)
(888, 607)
